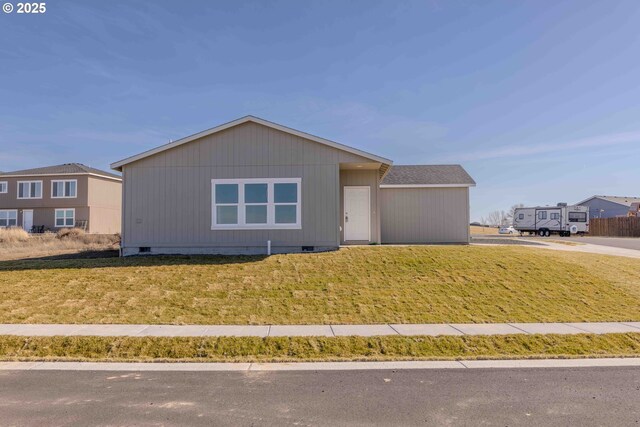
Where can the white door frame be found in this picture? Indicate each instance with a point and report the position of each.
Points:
(23, 221)
(344, 209)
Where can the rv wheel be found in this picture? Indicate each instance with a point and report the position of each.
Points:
(547, 233)
(541, 233)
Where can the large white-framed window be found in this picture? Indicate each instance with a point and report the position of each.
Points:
(256, 204)
(65, 217)
(64, 189)
(29, 189)
(4, 187)
(8, 218)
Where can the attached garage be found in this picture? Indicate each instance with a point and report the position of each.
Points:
(425, 204)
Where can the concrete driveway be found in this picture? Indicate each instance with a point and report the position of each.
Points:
(615, 242)
(558, 396)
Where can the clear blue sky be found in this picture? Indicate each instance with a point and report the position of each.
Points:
(539, 100)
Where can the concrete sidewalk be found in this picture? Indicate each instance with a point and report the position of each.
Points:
(317, 330)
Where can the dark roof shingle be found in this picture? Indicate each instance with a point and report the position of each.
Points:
(427, 175)
(67, 168)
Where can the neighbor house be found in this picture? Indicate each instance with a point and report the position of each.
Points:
(61, 196)
(609, 206)
(251, 186)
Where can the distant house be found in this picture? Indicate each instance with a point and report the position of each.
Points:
(61, 196)
(249, 185)
(609, 206)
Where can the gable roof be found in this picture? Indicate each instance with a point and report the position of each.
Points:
(64, 169)
(118, 165)
(620, 200)
(427, 176)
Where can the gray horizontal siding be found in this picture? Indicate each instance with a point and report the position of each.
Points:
(425, 215)
(168, 196)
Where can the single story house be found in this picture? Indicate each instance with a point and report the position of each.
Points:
(61, 196)
(608, 206)
(251, 186)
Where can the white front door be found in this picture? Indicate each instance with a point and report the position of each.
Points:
(357, 214)
(27, 220)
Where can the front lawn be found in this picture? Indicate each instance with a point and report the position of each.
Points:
(378, 284)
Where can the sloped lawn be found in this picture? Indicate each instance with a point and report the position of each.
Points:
(377, 284)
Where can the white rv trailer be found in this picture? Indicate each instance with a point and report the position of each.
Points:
(546, 220)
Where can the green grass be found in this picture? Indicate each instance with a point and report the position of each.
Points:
(291, 349)
(376, 284)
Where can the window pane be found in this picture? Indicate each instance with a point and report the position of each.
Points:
(255, 193)
(55, 189)
(226, 214)
(20, 190)
(72, 189)
(59, 214)
(285, 193)
(256, 214)
(69, 214)
(69, 222)
(59, 222)
(13, 214)
(13, 223)
(226, 193)
(286, 214)
(3, 222)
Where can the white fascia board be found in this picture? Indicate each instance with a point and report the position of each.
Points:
(427, 185)
(118, 165)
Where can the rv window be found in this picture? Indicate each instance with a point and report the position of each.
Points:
(555, 216)
(577, 217)
(521, 216)
(542, 215)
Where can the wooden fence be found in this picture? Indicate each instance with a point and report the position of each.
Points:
(615, 227)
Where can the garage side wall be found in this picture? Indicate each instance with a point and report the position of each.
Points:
(425, 215)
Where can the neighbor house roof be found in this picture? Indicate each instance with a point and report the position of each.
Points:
(620, 200)
(65, 169)
(118, 165)
(427, 176)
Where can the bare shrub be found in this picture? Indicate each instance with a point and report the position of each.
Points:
(13, 234)
(70, 233)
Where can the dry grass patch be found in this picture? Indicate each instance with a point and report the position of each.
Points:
(13, 235)
(15, 243)
(377, 284)
(478, 229)
(297, 349)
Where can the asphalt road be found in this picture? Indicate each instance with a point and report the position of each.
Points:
(576, 396)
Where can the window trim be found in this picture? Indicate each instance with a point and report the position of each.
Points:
(55, 217)
(53, 181)
(583, 215)
(9, 210)
(6, 187)
(271, 224)
(29, 182)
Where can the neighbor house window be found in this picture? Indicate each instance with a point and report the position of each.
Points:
(64, 189)
(542, 215)
(4, 186)
(8, 218)
(29, 189)
(577, 217)
(65, 217)
(256, 203)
